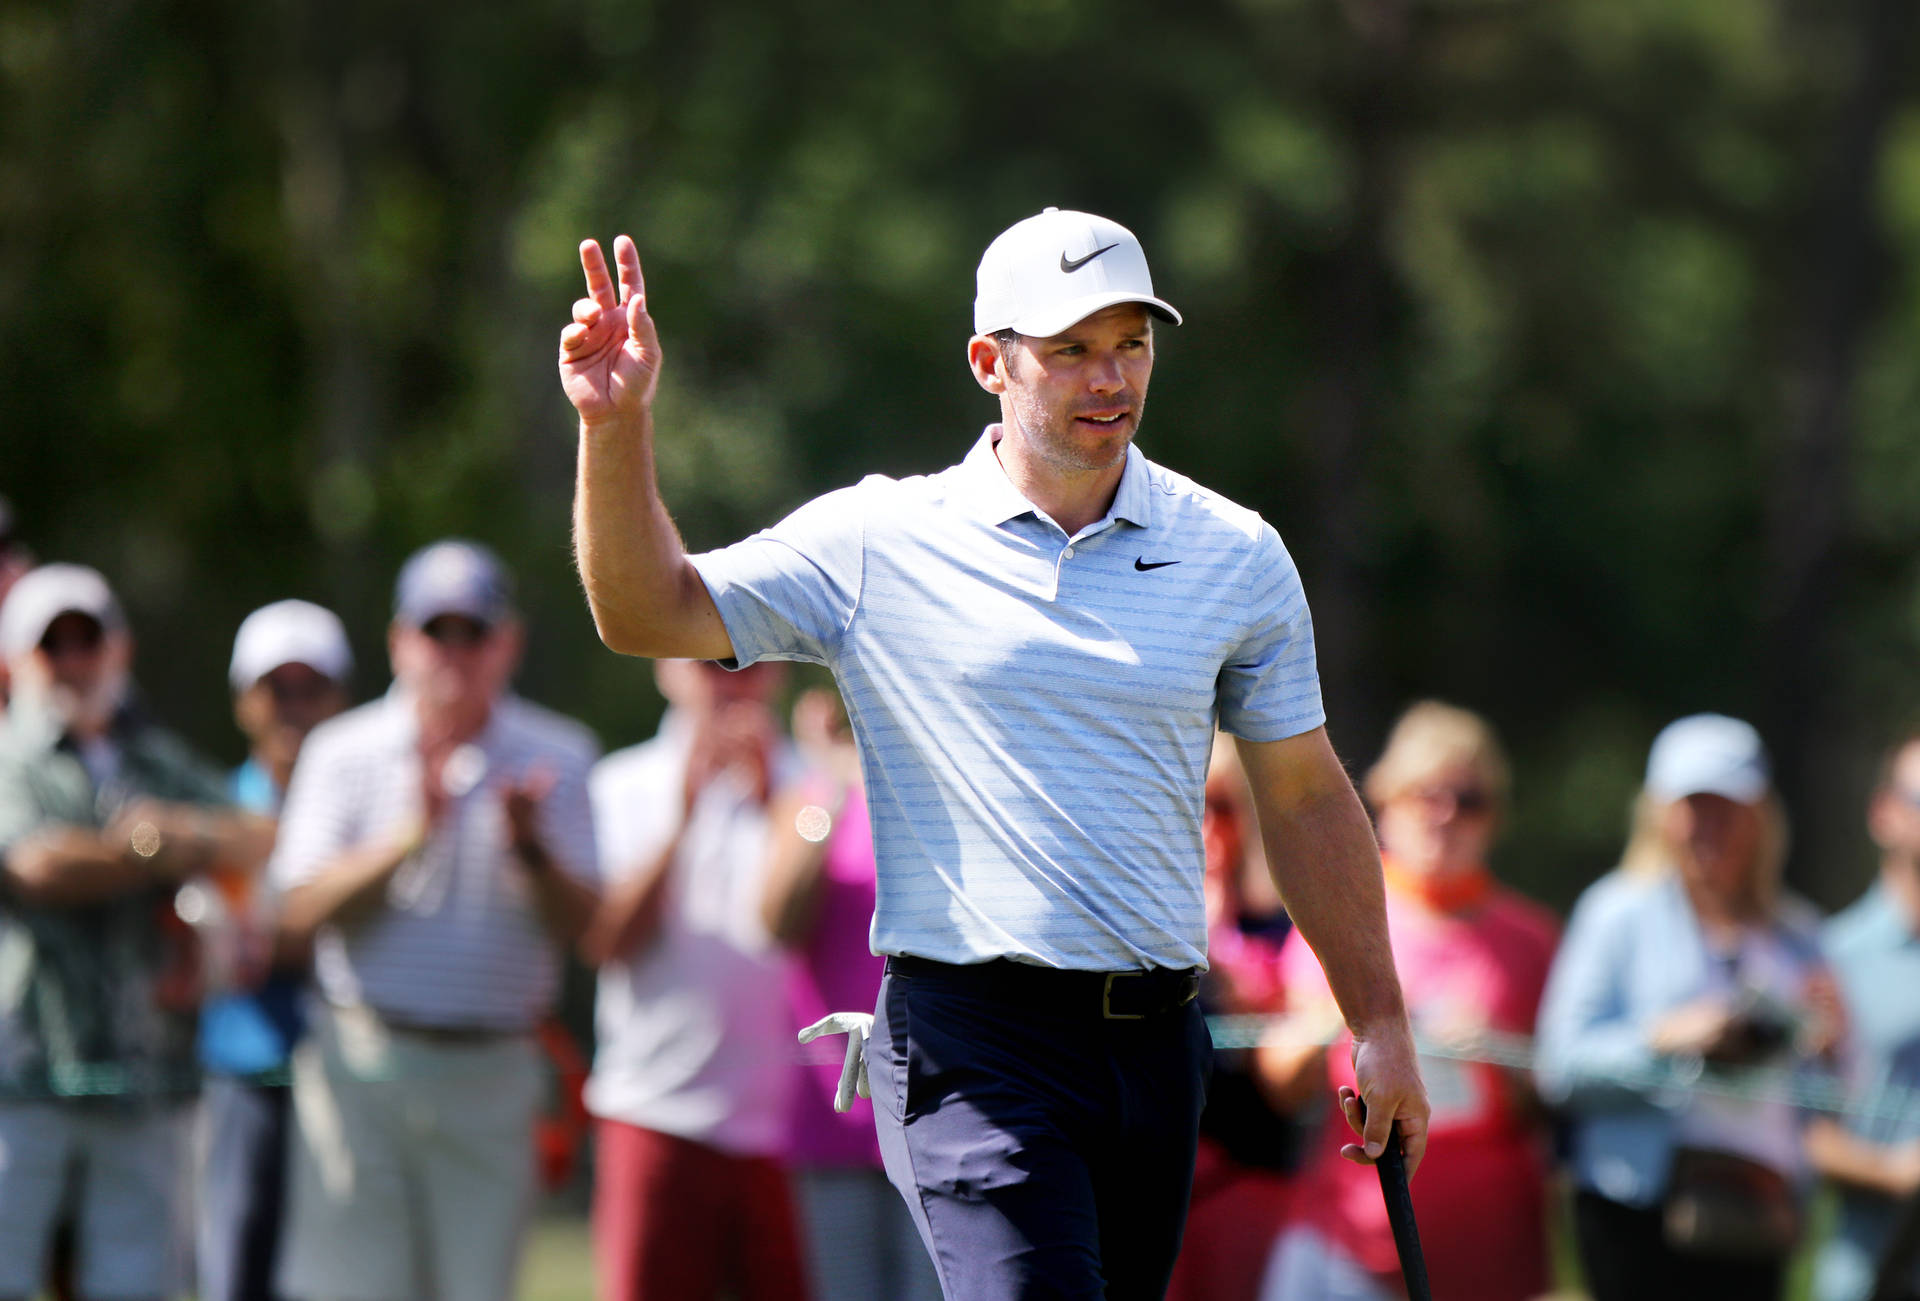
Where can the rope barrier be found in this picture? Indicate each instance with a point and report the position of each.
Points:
(1667, 1081)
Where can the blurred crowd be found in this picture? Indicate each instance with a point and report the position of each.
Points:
(288, 1031)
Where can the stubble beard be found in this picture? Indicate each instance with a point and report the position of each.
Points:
(1051, 436)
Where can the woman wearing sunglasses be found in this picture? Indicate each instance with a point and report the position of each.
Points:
(1472, 956)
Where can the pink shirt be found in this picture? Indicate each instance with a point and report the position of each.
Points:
(836, 972)
(1480, 1195)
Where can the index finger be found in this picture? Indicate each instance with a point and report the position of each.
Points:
(599, 283)
(1413, 1142)
(632, 284)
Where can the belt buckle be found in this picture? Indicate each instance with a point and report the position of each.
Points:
(1106, 1001)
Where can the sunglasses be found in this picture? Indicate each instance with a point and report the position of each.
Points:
(457, 632)
(1468, 801)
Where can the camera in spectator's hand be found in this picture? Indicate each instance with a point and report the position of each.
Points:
(1759, 1030)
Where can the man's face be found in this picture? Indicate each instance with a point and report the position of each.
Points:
(454, 662)
(278, 711)
(1077, 397)
(79, 669)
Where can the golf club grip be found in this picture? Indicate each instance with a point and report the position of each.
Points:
(1392, 1166)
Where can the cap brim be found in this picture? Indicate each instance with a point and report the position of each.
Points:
(1740, 787)
(1062, 316)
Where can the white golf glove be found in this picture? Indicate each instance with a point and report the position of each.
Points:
(856, 1026)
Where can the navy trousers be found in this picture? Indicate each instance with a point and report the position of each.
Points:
(1044, 1151)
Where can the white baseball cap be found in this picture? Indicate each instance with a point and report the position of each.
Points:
(1045, 273)
(1708, 754)
(289, 632)
(46, 593)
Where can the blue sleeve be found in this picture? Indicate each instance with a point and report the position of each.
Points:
(1269, 688)
(789, 592)
(1588, 1043)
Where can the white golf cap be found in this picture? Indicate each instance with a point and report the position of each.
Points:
(46, 593)
(1708, 754)
(1046, 273)
(289, 632)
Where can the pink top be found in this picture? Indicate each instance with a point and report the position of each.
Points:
(1481, 1191)
(836, 971)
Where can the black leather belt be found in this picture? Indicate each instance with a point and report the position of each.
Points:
(1107, 995)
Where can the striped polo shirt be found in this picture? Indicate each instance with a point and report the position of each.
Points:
(456, 942)
(1034, 711)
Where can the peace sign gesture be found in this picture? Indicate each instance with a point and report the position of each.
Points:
(610, 355)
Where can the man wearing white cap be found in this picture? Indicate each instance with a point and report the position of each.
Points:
(103, 814)
(438, 845)
(289, 672)
(1034, 647)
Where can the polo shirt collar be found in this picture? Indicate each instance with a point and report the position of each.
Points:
(994, 499)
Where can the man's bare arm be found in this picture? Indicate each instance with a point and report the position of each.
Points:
(565, 904)
(351, 883)
(646, 596)
(631, 912)
(67, 866)
(1321, 851)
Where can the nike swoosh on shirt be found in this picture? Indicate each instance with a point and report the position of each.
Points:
(1079, 262)
(1143, 564)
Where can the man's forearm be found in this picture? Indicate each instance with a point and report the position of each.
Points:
(630, 913)
(1327, 868)
(646, 596)
(68, 867)
(564, 903)
(351, 882)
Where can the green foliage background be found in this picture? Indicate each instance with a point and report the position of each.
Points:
(1574, 347)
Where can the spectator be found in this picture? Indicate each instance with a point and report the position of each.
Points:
(689, 1086)
(102, 815)
(1874, 947)
(289, 673)
(818, 903)
(438, 845)
(1242, 1183)
(1687, 954)
(15, 561)
(1473, 957)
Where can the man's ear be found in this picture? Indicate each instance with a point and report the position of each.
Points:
(989, 367)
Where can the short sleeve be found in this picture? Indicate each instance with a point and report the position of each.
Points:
(1269, 687)
(789, 592)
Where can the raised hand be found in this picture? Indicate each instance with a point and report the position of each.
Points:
(610, 355)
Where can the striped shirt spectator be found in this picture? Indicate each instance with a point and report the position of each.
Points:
(438, 845)
(457, 944)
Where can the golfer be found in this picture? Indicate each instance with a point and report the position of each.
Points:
(1035, 646)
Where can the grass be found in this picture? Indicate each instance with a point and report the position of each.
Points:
(559, 1261)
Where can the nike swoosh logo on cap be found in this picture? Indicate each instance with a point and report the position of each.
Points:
(1079, 262)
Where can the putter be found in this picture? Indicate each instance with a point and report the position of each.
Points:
(1392, 1167)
